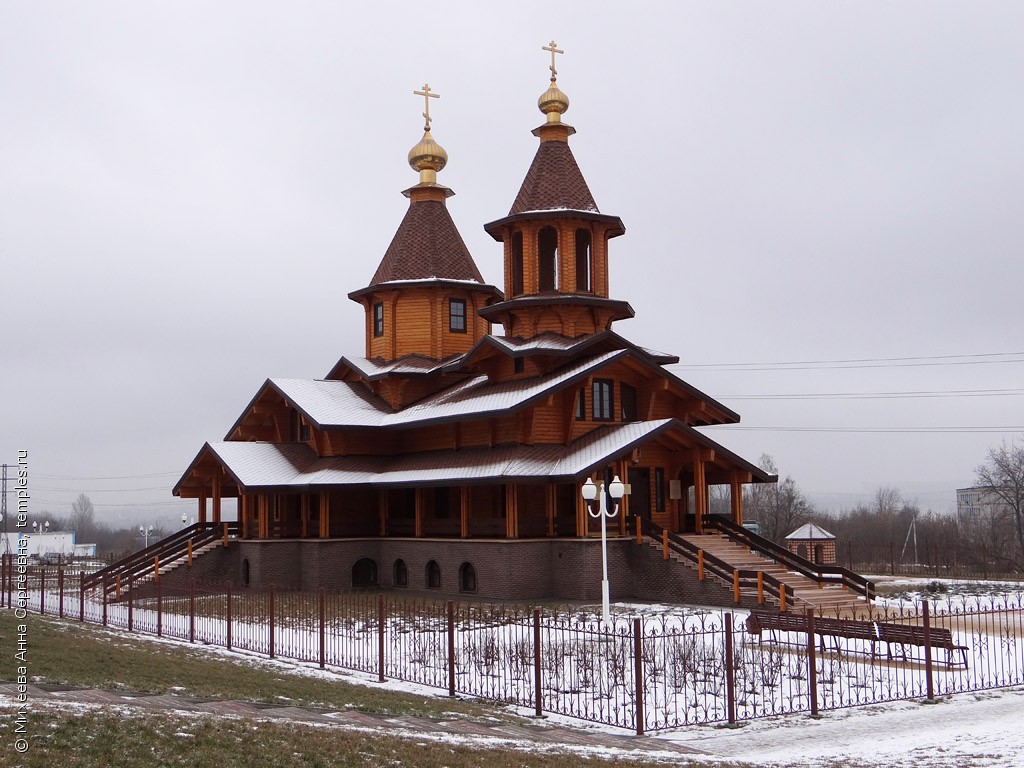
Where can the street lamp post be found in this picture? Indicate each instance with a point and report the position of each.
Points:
(145, 532)
(591, 492)
(184, 520)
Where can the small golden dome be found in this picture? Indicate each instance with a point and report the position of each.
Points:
(428, 155)
(553, 102)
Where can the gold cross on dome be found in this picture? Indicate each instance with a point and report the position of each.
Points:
(427, 95)
(553, 47)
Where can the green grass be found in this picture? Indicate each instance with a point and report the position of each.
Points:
(82, 655)
(115, 739)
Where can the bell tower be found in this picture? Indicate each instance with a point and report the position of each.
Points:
(555, 240)
(427, 293)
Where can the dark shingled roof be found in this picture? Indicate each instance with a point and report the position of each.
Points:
(554, 181)
(427, 245)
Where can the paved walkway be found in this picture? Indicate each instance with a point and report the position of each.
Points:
(525, 732)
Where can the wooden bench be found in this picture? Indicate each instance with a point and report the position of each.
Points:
(836, 629)
(911, 634)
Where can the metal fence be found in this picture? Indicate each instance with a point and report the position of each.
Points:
(644, 673)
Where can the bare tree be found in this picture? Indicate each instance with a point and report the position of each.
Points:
(83, 518)
(1002, 478)
(779, 508)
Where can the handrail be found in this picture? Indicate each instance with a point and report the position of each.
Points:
(167, 549)
(720, 568)
(767, 547)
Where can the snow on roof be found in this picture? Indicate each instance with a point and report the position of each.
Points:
(342, 404)
(256, 465)
(810, 531)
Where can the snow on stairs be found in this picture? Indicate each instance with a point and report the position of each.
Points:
(806, 590)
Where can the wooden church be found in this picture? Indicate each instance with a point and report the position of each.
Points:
(449, 456)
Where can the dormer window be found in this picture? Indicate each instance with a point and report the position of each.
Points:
(519, 364)
(457, 315)
(581, 404)
(378, 319)
(627, 395)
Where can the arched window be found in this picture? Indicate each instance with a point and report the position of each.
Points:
(582, 259)
(467, 578)
(517, 263)
(245, 572)
(547, 258)
(433, 575)
(364, 573)
(819, 554)
(801, 551)
(401, 573)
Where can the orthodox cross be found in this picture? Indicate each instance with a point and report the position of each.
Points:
(427, 95)
(553, 47)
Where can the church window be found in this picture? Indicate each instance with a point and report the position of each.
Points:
(517, 263)
(401, 573)
(467, 578)
(627, 395)
(457, 315)
(378, 319)
(581, 404)
(582, 260)
(364, 573)
(433, 575)
(547, 258)
(603, 399)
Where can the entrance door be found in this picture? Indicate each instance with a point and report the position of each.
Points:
(640, 491)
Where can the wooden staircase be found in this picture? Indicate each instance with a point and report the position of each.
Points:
(806, 591)
(164, 556)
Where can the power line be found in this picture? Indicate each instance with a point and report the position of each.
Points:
(986, 358)
(872, 430)
(111, 477)
(881, 395)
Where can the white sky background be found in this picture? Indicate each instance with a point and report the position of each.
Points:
(189, 191)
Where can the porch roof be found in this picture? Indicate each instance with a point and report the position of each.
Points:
(256, 465)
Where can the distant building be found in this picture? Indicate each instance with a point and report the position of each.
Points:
(976, 502)
(813, 543)
(51, 544)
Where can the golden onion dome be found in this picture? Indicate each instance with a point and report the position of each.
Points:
(428, 155)
(553, 102)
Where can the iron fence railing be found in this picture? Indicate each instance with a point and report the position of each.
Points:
(649, 672)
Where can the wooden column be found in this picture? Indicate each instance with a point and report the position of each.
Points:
(511, 511)
(243, 513)
(382, 510)
(464, 510)
(419, 512)
(700, 485)
(202, 509)
(581, 513)
(736, 480)
(304, 513)
(325, 515)
(216, 496)
(623, 472)
(549, 507)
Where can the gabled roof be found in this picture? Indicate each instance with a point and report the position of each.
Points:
(554, 344)
(427, 245)
(296, 466)
(554, 181)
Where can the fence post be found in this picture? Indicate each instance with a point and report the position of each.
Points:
(272, 612)
(81, 595)
(104, 601)
(131, 595)
(928, 667)
(380, 637)
(192, 611)
(700, 564)
(812, 664)
(451, 648)
(60, 592)
(730, 673)
(323, 628)
(159, 610)
(228, 616)
(42, 591)
(638, 672)
(736, 586)
(664, 544)
(760, 587)
(538, 698)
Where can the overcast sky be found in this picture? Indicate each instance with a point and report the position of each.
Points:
(189, 190)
